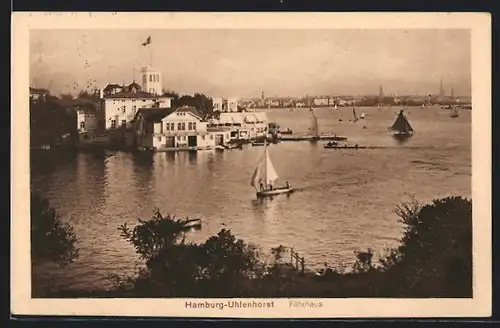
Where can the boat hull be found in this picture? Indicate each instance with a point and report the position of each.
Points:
(342, 147)
(403, 134)
(274, 192)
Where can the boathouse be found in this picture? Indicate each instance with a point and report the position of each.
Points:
(163, 129)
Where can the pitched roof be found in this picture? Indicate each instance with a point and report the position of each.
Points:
(153, 114)
(134, 85)
(137, 94)
(189, 109)
(38, 90)
(112, 86)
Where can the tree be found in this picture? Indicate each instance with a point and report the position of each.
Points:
(172, 94)
(51, 239)
(435, 256)
(176, 268)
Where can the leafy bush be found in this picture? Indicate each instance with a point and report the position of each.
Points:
(435, 256)
(176, 268)
(51, 239)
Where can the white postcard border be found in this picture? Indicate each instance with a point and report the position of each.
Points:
(479, 305)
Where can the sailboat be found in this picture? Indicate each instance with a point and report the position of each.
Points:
(454, 114)
(264, 177)
(314, 127)
(336, 107)
(402, 126)
(354, 114)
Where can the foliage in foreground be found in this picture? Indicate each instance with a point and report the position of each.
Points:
(433, 260)
(51, 239)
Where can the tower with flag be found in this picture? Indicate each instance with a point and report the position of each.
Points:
(151, 78)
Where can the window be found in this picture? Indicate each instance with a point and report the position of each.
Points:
(124, 123)
(134, 109)
(82, 125)
(184, 138)
(113, 124)
(194, 126)
(157, 77)
(172, 126)
(150, 78)
(183, 126)
(190, 126)
(159, 138)
(211, 137)
(167, 127)
(179, 126)
(202, 137)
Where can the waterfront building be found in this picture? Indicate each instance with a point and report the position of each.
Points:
(87, 120)
(120, 108)
(242, 125)
(38, 94)
(225, 105)
(321, 101)
(121, 102)
(167, 128)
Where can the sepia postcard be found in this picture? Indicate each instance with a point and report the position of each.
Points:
(251, 165)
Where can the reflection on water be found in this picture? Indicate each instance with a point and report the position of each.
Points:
(344, 200)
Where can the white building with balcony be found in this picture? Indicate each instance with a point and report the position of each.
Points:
(229, 105)
(242, 125)
(162, 129)
(120, 108)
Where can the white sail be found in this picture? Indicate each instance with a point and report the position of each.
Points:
(314, 128)
(254, 182)
(271, 175)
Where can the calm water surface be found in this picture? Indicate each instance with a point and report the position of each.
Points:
(345, 199)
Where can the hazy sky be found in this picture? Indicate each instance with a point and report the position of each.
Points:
(242, 63)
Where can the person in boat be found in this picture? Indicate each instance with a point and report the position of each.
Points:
(270, 186)
(287, 185)
(261, 184)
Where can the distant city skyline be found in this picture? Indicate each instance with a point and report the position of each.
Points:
(243, 63)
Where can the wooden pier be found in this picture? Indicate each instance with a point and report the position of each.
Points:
(297, 261)
(311, 138)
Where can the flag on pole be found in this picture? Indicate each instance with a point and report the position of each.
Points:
(148, 41)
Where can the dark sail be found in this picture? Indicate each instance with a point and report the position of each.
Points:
(401, 124)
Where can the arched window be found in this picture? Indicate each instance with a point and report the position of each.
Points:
(82, 125)
(150, 78)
